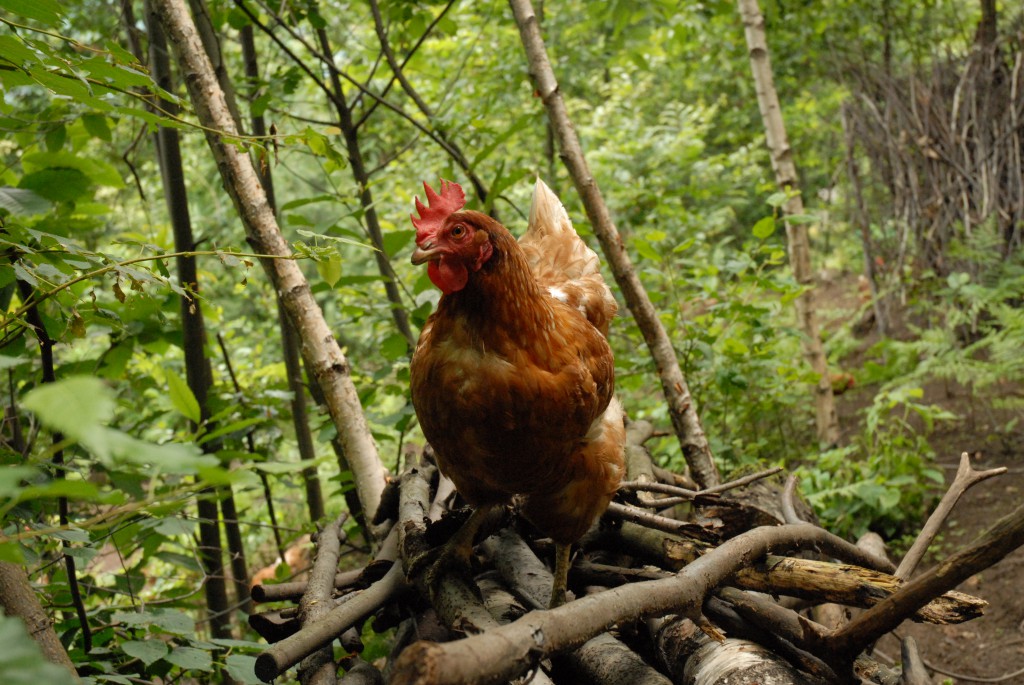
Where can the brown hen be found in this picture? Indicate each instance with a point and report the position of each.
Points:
(512, 379)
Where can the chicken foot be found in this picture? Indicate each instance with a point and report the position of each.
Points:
(457, 552)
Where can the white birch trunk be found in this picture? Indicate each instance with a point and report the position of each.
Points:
(796, 234)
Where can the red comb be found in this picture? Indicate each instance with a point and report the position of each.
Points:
(438, 208)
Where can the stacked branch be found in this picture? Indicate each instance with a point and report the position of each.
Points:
(660, 591)
(948, 145)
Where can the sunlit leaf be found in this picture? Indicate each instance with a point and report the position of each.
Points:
(182, 398)
(764, 228)
(329, 270)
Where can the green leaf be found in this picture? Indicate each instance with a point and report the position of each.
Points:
(56, 184)
(96, 125)
(77, 406)
(147, 651)
(394, 241)
(11, 477)
(175, 526)
(764, 228)
(11, 551)
(71, 489)
(45, 11)
(191, 659)
(778, 199)
(242, 668)
(56, 137)
(329, 270)
(169, 620)
(182, 398)
(115, 74)
(394, 347)
(15, 51)
(97, 170)
(232, 427)
(23, 202)
(647, 251)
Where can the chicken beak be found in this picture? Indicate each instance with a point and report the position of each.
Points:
(426, 252)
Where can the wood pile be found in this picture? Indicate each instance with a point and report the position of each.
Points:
(674, 585)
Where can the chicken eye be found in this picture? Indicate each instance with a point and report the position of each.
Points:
(458, 231)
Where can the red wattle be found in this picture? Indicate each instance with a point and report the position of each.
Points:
(449, 275)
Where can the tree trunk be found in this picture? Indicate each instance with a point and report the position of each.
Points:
(796, 233)
(362, 179)
(197, 366)
(18, 599)
(681, 406)
(329, 365)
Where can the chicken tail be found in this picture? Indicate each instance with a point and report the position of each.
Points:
(562, 262)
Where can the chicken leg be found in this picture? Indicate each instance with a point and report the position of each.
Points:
(563, 560)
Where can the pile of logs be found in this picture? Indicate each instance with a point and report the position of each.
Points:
(675, 585)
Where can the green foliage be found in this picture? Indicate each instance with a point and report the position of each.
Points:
(884, 480)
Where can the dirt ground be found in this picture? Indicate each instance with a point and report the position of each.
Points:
(989, 649)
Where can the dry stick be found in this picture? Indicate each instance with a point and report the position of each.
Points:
(280, 657)
(17, 598)
(757, 618)
(505, 652)
(966, 477)
(319, 667)
(813, 580)
(682, 495)
(914, 671)
(789, 501)
(1002, 538)
(279, 592)
(626, 512)
(681, 406)
(691, 656)
(505, 607)
(324, 357)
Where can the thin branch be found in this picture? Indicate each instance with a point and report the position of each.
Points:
(681, 406)
(966, 478)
